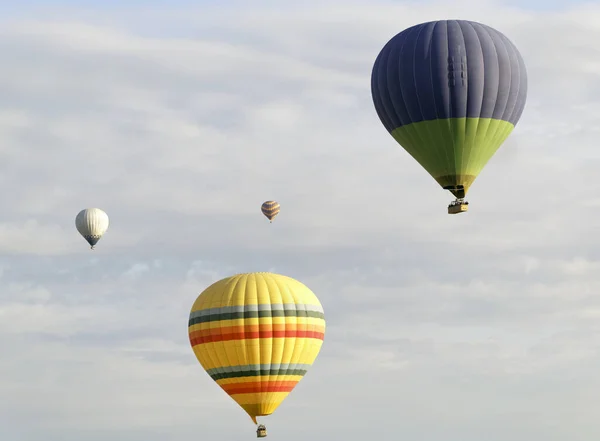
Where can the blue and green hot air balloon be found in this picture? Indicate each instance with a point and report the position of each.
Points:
(450, 92)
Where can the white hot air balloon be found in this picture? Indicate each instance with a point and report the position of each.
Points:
(92, 223)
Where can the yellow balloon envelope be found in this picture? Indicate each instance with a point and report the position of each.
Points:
(256, 335)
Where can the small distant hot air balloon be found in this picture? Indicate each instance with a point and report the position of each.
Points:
(270, 209)
(256, 335)
(450, 92)
(92, 223)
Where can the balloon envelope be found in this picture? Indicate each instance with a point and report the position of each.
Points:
(450, 92)
(92, 223)
(256, 335)
(270, 209)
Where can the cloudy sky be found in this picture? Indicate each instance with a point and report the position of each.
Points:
(180, 120)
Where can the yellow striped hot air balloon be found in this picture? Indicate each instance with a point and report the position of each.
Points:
(270, 209)
(256, 335)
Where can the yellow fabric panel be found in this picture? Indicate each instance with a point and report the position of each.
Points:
(311, 350)
(264, 398)
(310, 346)
(237, 291)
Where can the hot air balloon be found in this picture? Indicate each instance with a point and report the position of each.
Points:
(92, 223)
(450, 92)
(270, 209)
(256, 335)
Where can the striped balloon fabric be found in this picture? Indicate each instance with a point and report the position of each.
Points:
(270, 209)
(256, 335)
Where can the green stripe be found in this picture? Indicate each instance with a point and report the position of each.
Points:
(257, 373)
(254, 314)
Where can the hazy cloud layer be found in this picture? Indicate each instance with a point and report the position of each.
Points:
(180, 122)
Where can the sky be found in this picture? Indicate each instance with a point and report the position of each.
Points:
(179, 121)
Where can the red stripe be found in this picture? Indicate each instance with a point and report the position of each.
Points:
(259, 387)
(199, 339)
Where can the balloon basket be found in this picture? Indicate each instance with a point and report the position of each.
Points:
(458, 206)
(261, 432)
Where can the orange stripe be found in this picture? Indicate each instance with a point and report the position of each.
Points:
(259, 387)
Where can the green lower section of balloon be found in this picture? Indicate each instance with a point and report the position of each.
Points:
(455, 150)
